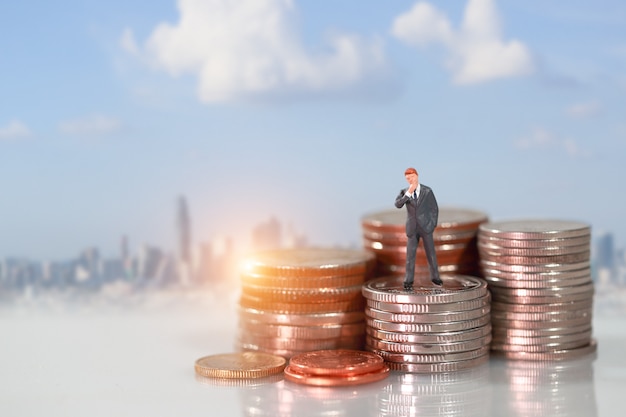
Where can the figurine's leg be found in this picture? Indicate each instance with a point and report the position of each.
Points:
(431, 257)
(411, 248)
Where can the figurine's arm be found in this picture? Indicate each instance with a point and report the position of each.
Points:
(402, 198)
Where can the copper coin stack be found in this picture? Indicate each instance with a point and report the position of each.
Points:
(539, 275)
(384, 234)
(336, 367)
(299, 300)
(429, 329)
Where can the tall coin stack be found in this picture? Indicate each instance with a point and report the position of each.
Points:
(299, 300)
(429, 329)
(384, 234)
(539, 276)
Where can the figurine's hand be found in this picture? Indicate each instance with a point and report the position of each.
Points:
(412, 188)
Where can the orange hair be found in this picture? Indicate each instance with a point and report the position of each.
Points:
(410, 171)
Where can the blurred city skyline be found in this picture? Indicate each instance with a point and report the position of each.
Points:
(206, 263)
(303, 111)
(201, 264)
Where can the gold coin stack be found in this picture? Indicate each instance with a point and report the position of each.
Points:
(299, 300)
(384, 234)
(539, 275)
(427, 329)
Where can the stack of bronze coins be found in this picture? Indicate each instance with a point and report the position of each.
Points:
(384, 234)
(428, 329)
(299, 300)
(539, 276)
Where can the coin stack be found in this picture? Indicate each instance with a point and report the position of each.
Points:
(428, 329)
(384, 234)
(539, 276)
(298, 300)
(336, 367)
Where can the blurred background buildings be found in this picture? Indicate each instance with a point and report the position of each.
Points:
(212, 265)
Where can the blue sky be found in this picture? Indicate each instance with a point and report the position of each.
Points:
(305, 110)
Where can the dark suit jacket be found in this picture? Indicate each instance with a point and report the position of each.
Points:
(423, 212)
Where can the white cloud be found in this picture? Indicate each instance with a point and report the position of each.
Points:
(542, 139)
(95, 124)
(423, 24)
(128, 42)
(251, 48)
(582, 110)
(476, 51)
(14, 130)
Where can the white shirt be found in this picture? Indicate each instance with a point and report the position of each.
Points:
(417, 192)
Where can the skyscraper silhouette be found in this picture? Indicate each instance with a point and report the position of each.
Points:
(267, 235)
(124, 254)
(605, 251)
(184, 232)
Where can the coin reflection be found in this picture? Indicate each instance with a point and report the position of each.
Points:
(462, 393)
(239, 382)
(289, 399)
(538, 388)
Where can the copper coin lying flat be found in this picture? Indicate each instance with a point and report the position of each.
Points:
(336, 362)
(339, 367)
(335, 381)
(240, 365)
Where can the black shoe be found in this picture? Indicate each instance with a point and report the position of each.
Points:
(437, 281)
(408, 286)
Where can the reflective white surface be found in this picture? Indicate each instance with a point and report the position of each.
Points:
(93, 359)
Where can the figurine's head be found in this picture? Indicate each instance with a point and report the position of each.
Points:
(411, 175)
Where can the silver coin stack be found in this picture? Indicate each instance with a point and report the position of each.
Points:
(539, 276)
(384, 235)
(427, 329)
(298, 300)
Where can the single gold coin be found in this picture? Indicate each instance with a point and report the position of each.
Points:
(240, 365)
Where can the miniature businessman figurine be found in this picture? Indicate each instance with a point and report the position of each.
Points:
(422, 213)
